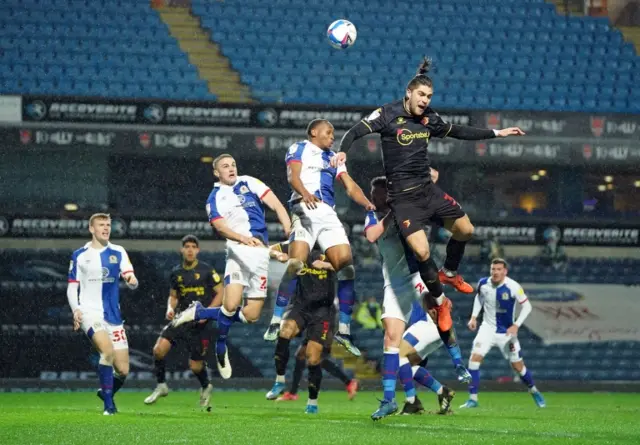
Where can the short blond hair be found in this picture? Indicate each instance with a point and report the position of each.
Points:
(220, 158)
(96, 216)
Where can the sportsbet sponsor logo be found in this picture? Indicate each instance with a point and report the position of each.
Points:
(406, 136)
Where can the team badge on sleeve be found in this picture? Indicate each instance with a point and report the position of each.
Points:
(373, 116)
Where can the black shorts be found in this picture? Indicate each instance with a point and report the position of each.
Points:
(417, 207)
(196, 335)
(317, 323)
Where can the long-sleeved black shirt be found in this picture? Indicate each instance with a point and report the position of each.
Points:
(405, 139)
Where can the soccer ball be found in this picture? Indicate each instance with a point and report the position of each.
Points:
(342, 34)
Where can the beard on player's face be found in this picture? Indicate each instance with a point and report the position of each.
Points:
(418, 100)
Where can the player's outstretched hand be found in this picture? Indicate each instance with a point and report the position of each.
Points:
(131, 279)
(170, 314)
(513, 330)
(251, 241)
(339, 159)
(77, 319)
(511, 131)
(310, 200)
(473, 324)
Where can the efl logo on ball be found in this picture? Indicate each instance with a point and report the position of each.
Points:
(342, 34)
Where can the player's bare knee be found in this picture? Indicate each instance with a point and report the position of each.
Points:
(462, 229)
(196, 366)
(406, 349)
(475, 358)
(121, 369)
(414, 358)
(517, 365)
(422, 252)
(301, 353)
(106, 358)
(348, 272)
(314, 354)
(288, 330)
(392, 339)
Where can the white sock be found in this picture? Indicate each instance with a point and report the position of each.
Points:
(473, 397)
(312, 402)
(242, 317)
(344, 328)
(533, 389)
(280, 379)
(405, 361)
(275, 320)
(227, 313)
(439, 391)
(440, 300)
(449, 273)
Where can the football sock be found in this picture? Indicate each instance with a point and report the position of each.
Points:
(105, 373)
(449, 340)
(455, 252)
(315, 378)
(207, 313)
(281, 357)
(527, 379)
(335, 370)
(159, 369)
(202, 377)
(424, 377)
(225, 320)
(281, 304)
(474, 370)
(346, 298)
(429, 274)
(297, 375)
(406, 378)
(390, 366)
(118, 381)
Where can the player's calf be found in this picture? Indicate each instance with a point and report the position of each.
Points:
(474, 370)
(281, 358)
(527, 379)
(314, 359)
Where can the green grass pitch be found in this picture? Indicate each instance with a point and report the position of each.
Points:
(247, 418)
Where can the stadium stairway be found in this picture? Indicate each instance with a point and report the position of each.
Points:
(632, 34)
(223, 81)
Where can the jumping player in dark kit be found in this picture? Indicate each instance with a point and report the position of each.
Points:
(312, 310)
(192, 280)
(405, 127)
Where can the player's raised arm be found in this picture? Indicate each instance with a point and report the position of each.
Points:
(353, 189)
(373, 123)
(373, 229)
